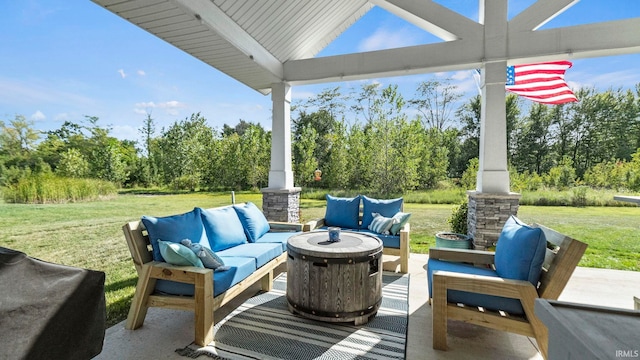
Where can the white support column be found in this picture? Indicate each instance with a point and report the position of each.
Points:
(493, 173)
(281, 173)
(281, 200)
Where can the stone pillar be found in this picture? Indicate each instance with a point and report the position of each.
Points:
(281, 200)
(281, 205)
(487, 215)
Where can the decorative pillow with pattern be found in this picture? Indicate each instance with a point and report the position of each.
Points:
(209, 259)
(381, 224)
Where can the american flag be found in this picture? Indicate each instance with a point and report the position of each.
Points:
(542, 82)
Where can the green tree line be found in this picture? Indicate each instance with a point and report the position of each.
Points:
(372, 139)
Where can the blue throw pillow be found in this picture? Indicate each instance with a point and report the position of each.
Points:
(386, 208)
(253, 221)
(223, 228)
(178, 254)
(174, 228)
(520, 251)
(400, 219)
(342, 212)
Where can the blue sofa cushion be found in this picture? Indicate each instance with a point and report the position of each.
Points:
(388, 241)
(174, 228)
(261, 252)
(512, 306)
(253, 221)
(279, 237)
(386, 208)
(223, 228)
(178, 254)
(239, 269)
(400, 219)
(520, 251)
(342, 212)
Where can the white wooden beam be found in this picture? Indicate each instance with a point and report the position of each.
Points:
(432, 17)
(538, 14)
(600, 39)
(213, 17)
(446, 56)
(494, 18)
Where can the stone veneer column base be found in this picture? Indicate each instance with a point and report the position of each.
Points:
(487, 215)
(281, 204)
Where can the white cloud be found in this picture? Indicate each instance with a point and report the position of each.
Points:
(171, 104)
(388, 39)
(149, 104)
(125, 132)
(121, 72)
(61, 117)
(141, 73)
(38, 116)
(170, 107)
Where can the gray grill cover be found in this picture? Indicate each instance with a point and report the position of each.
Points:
(49, 311)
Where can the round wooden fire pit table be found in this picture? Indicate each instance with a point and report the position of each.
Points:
(334, 281)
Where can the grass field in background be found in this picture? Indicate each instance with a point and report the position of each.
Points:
(89, 235)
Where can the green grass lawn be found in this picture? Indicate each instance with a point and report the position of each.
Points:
(89, 235)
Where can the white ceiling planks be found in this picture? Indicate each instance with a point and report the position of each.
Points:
(263, 42)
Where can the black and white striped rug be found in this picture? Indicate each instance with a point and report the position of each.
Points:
(263, 328)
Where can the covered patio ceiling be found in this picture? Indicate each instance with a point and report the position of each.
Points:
(260, 43)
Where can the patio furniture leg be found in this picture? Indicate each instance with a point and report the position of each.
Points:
(267, 281)
(138, 309)
(439, 313)
(203, 309)
(404, 250)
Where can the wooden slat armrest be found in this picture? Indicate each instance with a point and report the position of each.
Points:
(313, 224)
(516, 289)
(184, 274)
(284, 226)
(462, 255)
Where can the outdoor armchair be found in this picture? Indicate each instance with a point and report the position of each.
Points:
(498, 290)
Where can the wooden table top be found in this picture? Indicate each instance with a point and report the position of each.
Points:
(351, 244)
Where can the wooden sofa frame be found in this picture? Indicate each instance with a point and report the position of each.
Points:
(403, 252)
(558, 266)
(203, 303)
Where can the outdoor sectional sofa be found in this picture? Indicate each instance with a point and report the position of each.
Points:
(239, 236)
(358, 213)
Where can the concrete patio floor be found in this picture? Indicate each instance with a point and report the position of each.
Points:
(164, 331)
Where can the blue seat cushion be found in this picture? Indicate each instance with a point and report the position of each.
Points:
(512, 306)
(253, 221)
(520, 251)
(223, 228)
(261, 252)
(174, 228)
(279, 237)
(342, 212)
(388, 241)
(239, 269)
(387, 208)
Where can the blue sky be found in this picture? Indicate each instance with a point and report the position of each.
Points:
(63, 59)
